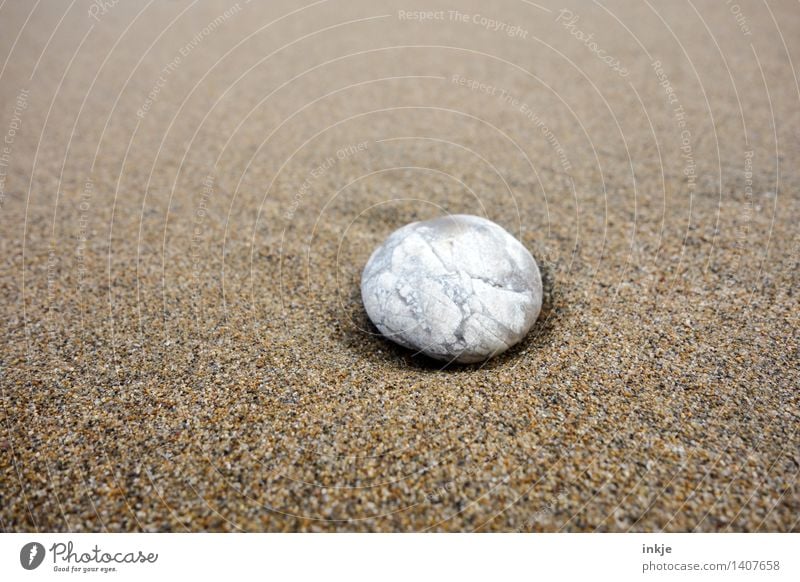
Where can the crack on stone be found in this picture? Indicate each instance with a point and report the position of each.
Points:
(436, 300)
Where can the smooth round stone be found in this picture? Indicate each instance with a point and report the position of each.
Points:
(456, 288)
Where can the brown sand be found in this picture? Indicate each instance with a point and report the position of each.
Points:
(184, 347)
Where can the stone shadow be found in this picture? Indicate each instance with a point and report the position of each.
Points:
(360, 336)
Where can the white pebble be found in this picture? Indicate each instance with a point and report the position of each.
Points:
(456, 288)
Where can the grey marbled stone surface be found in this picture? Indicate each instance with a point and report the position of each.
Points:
(456, 288)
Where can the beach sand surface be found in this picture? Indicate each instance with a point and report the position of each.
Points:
(191, 190)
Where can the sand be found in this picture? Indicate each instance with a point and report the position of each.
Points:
(190, 192)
